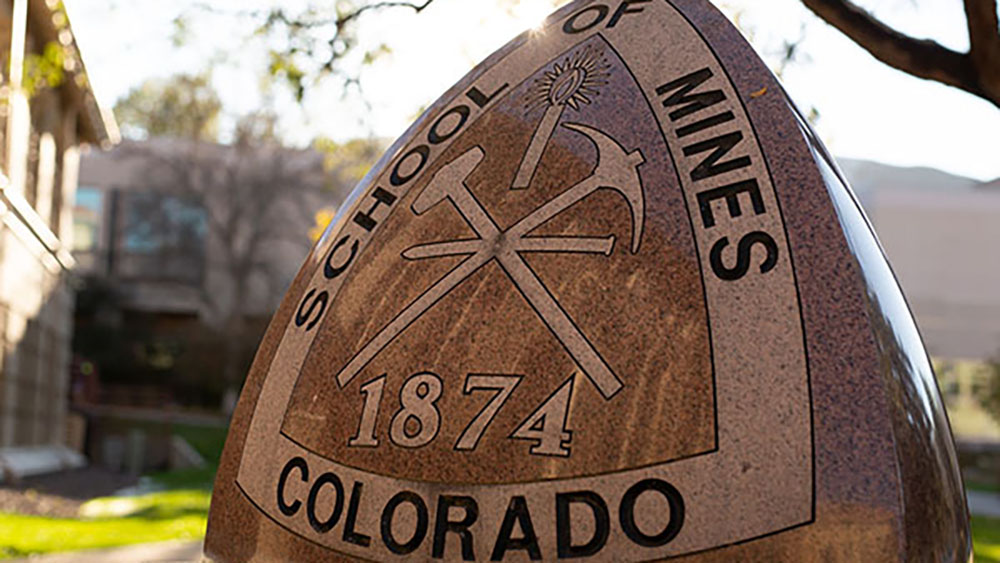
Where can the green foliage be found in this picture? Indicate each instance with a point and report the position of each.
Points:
(44, 70)
(282, 65)
(179, 106)
(374, 54)
(317, 41)
(348, 162)
(181, 32)
(986, 539)
(989, 392)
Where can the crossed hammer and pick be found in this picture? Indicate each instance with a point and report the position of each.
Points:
(616, 170)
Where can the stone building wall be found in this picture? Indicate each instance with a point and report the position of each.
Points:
(35, 316)
(42, 130)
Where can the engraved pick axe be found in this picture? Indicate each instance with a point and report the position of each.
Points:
(616, 170)
(447, 183)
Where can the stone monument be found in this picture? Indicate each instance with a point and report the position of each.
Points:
(607, 298)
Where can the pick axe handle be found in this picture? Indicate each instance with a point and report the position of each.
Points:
(533, 155)
(555, 206)
(593, 245)
(410, 314)
(439, 249)
(583, 353)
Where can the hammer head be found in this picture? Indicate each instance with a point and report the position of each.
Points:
(617, 170)
(449, 178)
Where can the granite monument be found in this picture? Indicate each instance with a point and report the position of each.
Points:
(607, 298)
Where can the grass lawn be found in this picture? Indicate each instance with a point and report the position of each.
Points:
(208, 441)
(161, 516)
(986, 539)
(178, 511)
(982, 487)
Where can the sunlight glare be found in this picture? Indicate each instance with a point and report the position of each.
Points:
(531, 14)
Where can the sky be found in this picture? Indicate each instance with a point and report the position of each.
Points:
(866, 109)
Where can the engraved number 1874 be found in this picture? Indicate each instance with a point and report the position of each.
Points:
(417, 421)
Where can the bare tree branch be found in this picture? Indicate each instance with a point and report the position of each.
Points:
(344, 19)
(984, 42)
(278, 15)
(417, 7)
(920, 57)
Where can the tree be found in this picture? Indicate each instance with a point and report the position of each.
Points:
(244, 209)
(318, 38)
(346, 163)
(227, 221)
(976, 71)
(319, 41)
(183, 106)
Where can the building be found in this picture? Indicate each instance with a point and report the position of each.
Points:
(941, 234)
(154, 237)
(48, 114)
(187, 247)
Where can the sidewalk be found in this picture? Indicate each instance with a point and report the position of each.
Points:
(983, 504)
(165, 552)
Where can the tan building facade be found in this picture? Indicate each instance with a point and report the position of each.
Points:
(47, 115)
(184, 250)
(941, 234)
(170, 222)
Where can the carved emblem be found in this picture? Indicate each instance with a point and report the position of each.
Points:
(616, 170)
(426, 398)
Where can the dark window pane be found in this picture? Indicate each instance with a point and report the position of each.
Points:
(162, 237)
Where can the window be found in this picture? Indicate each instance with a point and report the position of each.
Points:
(88, 216)
(162, 237)
(158, 223)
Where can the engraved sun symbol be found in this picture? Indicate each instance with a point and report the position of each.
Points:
(573, 83)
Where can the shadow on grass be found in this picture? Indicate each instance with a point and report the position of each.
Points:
(173, 506)
(981, 486)
(200, 478)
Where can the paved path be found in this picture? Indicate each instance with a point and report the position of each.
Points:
(165, 552)
(983, 504)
